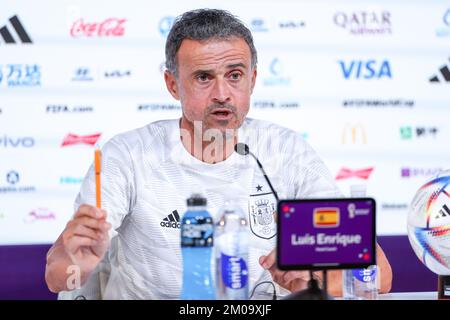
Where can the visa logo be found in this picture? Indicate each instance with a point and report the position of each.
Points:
(370, 69)
(326, 217)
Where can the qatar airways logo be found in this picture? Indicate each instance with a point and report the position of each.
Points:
(364, 22)
(110, 27)
(72, 139)
(325, 239)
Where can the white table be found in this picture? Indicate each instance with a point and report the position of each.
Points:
(388, 296)
(409, 296)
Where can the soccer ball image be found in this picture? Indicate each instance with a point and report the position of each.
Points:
(429, 224)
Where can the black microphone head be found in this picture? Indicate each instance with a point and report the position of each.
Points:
(242, 148)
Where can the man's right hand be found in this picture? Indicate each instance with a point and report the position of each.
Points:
(85, 238)
(83, 244)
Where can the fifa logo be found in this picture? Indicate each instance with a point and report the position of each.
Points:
(354, 134)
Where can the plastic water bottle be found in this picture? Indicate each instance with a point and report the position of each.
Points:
(197, 231)
(231, 250)
(360, 284)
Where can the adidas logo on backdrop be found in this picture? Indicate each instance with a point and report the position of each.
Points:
(442, 76)
(6, 32)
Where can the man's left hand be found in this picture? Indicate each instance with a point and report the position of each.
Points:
(291, 280)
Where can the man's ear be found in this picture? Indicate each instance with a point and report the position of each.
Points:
(254, 74)
(171, 83)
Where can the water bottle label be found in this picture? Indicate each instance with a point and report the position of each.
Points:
(365, 275)
(234, 271)
(197, 234)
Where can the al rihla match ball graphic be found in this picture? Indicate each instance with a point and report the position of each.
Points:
(429, 224)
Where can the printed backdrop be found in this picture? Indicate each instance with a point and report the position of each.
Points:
(366, 83)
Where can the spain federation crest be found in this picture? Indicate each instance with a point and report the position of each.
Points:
(261, 210)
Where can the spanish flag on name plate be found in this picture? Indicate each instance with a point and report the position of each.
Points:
(326, 217)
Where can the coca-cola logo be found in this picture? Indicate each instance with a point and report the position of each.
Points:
(111, 27)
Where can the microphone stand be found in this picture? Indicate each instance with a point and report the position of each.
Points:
(244, 150)
(265, 176)
(313, 292)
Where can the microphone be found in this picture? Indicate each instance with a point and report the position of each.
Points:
(243, 150)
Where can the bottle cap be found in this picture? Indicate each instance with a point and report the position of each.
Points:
(196, 200)
(357, 190)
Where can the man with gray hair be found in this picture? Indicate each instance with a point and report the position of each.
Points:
(130, 249)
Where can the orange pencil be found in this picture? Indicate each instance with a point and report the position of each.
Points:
(97, 166)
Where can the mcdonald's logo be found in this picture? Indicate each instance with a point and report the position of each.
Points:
(354, 134)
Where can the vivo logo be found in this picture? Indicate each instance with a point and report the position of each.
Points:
(21, 142)
(370, 69)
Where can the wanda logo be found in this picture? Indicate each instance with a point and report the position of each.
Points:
(111, 27)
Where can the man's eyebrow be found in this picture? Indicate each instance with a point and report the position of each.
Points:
(211, 71)
(202, 71)
(236, 65)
